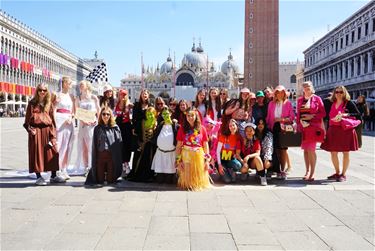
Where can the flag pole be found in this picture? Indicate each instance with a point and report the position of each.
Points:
(142, 70)
(174, 74)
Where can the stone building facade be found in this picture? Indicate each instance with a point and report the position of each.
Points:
(345, 56)
(28, 58)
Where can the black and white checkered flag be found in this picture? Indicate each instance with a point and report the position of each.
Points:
(99, 74)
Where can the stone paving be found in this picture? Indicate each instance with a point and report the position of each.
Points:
(285, 215)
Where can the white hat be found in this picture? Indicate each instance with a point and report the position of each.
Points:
(245, 90)
(107, 88)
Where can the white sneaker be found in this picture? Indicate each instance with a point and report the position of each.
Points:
(41, 182)
(263, 181)
(64, 174)
(57, 179)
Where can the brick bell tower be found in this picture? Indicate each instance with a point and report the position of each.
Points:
(261, 59)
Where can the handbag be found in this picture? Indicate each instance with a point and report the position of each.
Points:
(349, 123)
(288, 135)
(313, 133)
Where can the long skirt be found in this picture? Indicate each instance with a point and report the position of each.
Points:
(142, 160)
(42, 157)
(84, 150)
(65, 144)
(193, 176)
(340, 140)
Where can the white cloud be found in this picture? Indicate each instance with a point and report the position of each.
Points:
(291, 47)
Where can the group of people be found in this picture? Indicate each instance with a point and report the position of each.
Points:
(190, 143)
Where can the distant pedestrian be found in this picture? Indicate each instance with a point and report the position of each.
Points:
(41, 127)
(338, 139)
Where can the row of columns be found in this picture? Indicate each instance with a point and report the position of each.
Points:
(345, 70)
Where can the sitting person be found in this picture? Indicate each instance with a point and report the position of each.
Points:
(228, 146)
(106, 150)
(266, 138)
(250, 154)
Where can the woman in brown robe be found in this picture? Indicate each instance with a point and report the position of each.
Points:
(40, 125)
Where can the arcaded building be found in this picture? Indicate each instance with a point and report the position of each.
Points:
(261, 59)
(345, 56)
(28, 58)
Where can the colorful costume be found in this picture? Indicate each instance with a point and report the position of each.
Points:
(193, 175)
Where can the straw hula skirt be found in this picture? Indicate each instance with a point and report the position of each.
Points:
(193, 176)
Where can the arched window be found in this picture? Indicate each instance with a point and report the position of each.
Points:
(293, 79)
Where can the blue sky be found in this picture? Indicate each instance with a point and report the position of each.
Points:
(120, 30)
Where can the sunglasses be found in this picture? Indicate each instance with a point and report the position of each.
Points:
(42, 90)
(106, 114)
(339, 92)
(223, 93)
(172, 104)
(159, 104)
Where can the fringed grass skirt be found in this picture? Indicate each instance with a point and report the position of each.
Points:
(193, 176)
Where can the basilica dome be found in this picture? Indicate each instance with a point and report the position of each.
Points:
(229, 65)
(167, 66)
(196, 59)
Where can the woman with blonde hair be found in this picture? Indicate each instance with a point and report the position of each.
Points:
(310, 114)
(41, 127)
(339, 139)
(280, 111)
(88, 103)
(224, 97)
(107, 150)
(64, 114)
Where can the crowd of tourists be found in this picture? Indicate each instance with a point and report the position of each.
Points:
(189, 143)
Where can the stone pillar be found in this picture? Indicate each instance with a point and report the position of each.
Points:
(362, 60)
(329, 75)
(355, 66)
(369, 61)
(338, 72)
(349, 68)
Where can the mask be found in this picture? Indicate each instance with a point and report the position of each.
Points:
(150, 120)
(166, 117)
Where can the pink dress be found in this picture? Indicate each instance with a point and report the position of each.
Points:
(338, 139)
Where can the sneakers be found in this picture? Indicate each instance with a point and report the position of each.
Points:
(125, 170)
(57, 179)
(64, 174)
(334, 176)
(341, 178)
(41, 182)
(281, 176)
(263, 181)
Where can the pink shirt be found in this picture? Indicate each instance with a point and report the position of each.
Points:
(316, 107)
(287, 112)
